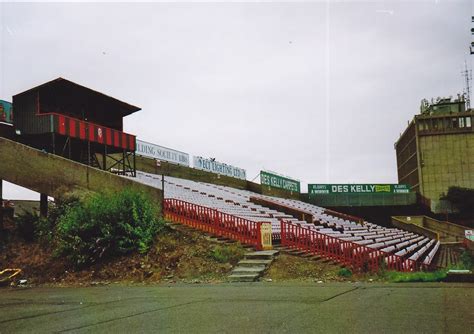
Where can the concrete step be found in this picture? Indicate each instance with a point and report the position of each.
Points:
(297, 253)
(248, 270)
(263, 255)
(278, 246)
(253, 263)
(243, 277)
(459, 276)
(253, 266)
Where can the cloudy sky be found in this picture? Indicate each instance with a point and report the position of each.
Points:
(319, 91)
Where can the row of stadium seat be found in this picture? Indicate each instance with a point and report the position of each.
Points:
(237, 203)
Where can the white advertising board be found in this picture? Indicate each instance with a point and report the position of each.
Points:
(219, 168)
(150, 150)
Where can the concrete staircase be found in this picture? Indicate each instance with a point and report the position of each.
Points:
(252, 266)
(448, 256)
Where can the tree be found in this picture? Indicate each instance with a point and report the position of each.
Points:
(462, 199)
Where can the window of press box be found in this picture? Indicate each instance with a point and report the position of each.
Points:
(454, 122)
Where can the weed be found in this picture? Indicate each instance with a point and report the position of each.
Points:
(344, 272)
(227, 254)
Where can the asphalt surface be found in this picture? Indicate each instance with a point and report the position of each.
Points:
(241, 308)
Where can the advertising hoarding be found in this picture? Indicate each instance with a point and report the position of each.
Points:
(153, 151)
(277, 181)
(217, 167)
(358, 188)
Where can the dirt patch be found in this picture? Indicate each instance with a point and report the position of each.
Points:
(294, 268)
(176, 256)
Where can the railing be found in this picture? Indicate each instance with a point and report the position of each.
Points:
(214, 222)
(76, 128)
(348, 253)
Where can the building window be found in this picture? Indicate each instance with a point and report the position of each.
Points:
(461, 122)
(468, 122)
(454, 122)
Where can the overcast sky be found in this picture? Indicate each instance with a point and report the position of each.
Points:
(316, 91)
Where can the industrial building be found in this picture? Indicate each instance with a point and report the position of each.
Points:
(436, 150)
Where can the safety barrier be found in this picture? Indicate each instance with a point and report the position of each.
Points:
(214, 222)
(76, 128)
(348, 253)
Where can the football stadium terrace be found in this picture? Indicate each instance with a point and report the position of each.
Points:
(233, 213)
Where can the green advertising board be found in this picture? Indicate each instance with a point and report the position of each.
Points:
(321, 189)
(6, 113)
(280, 182)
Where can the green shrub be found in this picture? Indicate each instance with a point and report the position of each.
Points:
(32, 227)
(105, 225)
(45, 230)
(466, 260)
(344, 272)
(462, 199)
(227, 254)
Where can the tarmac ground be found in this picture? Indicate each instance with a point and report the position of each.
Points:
(263, 307)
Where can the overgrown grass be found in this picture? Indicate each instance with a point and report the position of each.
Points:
(418, 276)
(228, 253)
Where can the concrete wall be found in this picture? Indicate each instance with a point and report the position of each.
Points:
(403, 224)
(447, 232)
(7, 131)
(54, 175)
(445, 228)
(447, 160)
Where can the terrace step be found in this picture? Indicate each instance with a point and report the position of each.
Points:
(243, 278)
(460, 276)
(248, 270)
(224, 239)
(251, 263)
(252, 266)
(298, 253)
(262, 255)
(306, 255)
(446, 257)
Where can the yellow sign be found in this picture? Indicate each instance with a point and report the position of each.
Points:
(266, 235)
(382, 188)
